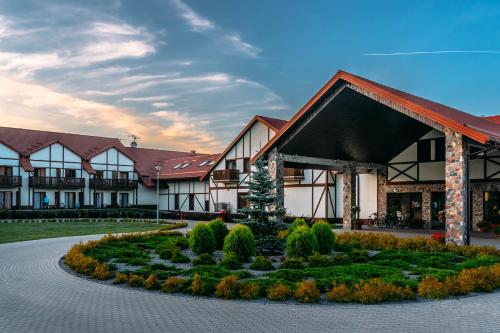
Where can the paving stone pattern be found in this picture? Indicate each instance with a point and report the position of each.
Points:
(36, 295)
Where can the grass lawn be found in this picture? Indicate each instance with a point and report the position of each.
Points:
(15, 232)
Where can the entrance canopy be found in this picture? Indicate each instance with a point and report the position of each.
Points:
(355, 119)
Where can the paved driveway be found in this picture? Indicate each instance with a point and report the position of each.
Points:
(36, 295)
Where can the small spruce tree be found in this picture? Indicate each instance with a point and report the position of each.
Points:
(264, 219)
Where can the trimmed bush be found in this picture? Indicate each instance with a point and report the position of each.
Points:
(135, 280)
(262, 264)
(168, 251)
(120, 278)
(202, 239)
(278, 292)
(178, 258)
(198, 287)
(318, 260)
(151, 282)
(250, 290)
(477, 279)
(298, 222)
(230, 261)
(430, 287)
(182, 243)
(324, 235)
(377, 291)
(301, 243)
(241, 242)
(204, 259)
(173, 284)
(340, 294)
(227, 287)
(101, 272)
(307, 292)
(220, 232)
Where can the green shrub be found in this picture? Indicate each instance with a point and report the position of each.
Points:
(293, 263)
(278, 292)
(220, 232)
(249, 290)
(358, 255)
(318, 260)
(230, 261)
(182, 243)
(202, 239)
(168, 251)
(135, 280)
(173, 284)
(342, 259)
(178, 257)
(301, 243)
(298, 222)
(325, 236)
(262, 264)
(241, 242)
(204, 259)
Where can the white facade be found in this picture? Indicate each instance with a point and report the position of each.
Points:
(9, 166)
(311, 194)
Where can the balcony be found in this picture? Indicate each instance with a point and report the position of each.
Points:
(113, 184)
(226, 176)
(10, 181)
(57, 182)
(293, 174)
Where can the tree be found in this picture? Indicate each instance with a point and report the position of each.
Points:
(264, 219)
(263, 199)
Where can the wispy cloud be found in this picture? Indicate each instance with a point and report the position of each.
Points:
(160, 105)
(432, 52)
(148, 98)
(193, 19)
(243, 47)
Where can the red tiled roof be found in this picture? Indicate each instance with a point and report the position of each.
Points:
(495, 119)
(474, 127)
(273, 123)
(26, 164)
(26, 141)
(88, 167)
(192, 170)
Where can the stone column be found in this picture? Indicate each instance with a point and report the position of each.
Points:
(349, 189)
(382, 192)
(276, 170)
(456, 188)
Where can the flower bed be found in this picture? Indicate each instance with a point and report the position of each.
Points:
(362, 267)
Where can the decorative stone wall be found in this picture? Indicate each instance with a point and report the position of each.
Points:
(349, 189)
(276, 170)
(456, 188)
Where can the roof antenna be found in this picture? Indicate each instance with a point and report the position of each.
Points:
(134, 137)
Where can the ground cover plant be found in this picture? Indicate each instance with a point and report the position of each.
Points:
(365, 268)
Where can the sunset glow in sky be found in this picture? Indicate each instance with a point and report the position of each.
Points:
(186, 74)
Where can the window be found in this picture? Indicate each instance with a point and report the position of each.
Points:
(243, 201)
(69, 173)
(99, 174)
(39, 172)
(114, 174)
(211, 163)
(203, 163)
(246, 165)
(124, 175)
(431, 150)
(123, 199)
(177, 166)
(176, 201)
(191, 201)
(491, 207)
(5, 171)
(185, 165)
(207, 205)
(230, 164)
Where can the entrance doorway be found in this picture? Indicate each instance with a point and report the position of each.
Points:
(38, 199)
(5, 200)
(407, 207)
(98, 200)
(70, 199)
(123, 199)
(438, 210)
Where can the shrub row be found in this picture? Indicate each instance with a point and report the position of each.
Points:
(383, 241)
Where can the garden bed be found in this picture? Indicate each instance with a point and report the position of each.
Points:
(361, 267)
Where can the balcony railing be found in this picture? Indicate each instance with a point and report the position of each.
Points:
(57, 182)
(113, 184)
(293, 174)
(10, 181)
(226, 176)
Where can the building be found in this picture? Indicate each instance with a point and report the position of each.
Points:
(416, 156)
(307, 192)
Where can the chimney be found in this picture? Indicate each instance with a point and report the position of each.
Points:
(133, 144)
(193, 152)
(134, 137)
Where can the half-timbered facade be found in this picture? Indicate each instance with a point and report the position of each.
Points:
(397, 153)
(307, 192)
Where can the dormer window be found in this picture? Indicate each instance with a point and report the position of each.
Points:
(185, 165)
(203, 163)
(178, 166)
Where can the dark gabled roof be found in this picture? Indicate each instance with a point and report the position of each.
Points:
(195, 167)
(273, 123)
(495, 119)
(146, 160)
(26, 142)
(474, 127)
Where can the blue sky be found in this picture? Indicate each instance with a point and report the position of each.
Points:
(186, 74)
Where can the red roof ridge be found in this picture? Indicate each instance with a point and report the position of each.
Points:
(55, 132)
